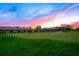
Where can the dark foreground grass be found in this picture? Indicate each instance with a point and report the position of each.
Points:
(19, 46)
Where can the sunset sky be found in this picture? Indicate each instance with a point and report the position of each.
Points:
(34, 14)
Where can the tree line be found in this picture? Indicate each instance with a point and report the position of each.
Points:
(63, 28)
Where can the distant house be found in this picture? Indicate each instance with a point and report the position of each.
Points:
(12, 29)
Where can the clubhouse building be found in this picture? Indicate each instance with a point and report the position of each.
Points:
(6, 30)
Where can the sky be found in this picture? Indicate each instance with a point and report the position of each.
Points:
(35, 14)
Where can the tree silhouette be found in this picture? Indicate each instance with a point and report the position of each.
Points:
(29, 29)
(66, 27)
(38, 28)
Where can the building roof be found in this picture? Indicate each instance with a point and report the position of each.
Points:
(13, 28)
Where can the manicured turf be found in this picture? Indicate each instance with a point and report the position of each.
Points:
(40, 44)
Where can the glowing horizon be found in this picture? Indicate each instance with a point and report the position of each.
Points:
(34, 14)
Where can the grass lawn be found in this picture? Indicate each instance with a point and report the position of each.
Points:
(40, 44)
